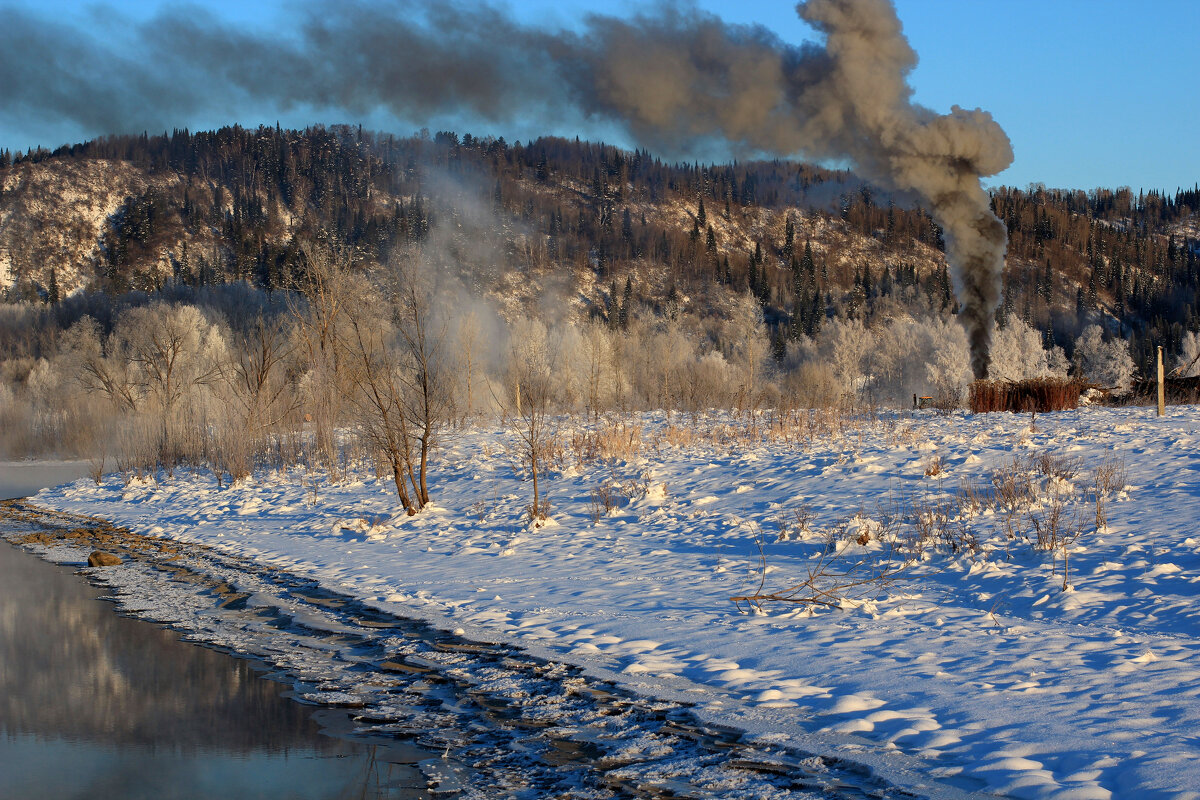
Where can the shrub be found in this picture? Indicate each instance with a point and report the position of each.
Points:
(1036, 394)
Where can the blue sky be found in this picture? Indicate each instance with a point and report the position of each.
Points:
(1098, 93)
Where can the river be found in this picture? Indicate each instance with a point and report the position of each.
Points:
(94, 704)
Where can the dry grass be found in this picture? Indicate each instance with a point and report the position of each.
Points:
(1038, 394)
(841, 573)
(795, 524)
(603, 501)
(612, 441)
(1033, 502)
(1109, 476)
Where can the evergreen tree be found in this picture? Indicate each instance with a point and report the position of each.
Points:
(1046, 286)
(52, 291)
(701, 217)
(801, 308)
(626, 302)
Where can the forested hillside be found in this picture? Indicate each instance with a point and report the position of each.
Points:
(607, 232)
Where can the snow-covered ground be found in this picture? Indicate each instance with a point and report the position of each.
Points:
(972, 665)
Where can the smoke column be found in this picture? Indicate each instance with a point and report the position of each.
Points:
(680, 81)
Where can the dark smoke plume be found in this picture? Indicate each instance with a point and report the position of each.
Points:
(678, 80)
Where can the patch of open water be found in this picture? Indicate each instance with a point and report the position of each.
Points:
(94, 704)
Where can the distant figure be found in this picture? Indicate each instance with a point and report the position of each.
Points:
(914, 401)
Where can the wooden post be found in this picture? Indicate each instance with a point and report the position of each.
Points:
(1162, 395)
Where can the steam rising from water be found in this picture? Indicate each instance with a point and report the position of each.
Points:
(678, 80)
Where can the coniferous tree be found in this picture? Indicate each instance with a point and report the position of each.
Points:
(613, 305)
(626, 302)
(52, 291)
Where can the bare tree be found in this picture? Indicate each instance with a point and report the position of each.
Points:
(257, 395)
(596, 349)
(327, 286)
(374, 365)
(395, 359)
(530, 377)
(428, 396)
(467, 337)
(254, 373)
(108, 373)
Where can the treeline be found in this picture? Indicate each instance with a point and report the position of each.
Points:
(583, 204)
(235, 205)
(1077, 257)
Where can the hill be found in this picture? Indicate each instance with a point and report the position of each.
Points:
(514, 221)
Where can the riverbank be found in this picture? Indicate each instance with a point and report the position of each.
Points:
(971, 666)
(504, 723)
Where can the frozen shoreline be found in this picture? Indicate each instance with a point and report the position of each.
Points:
(978, 671)
(505, 723)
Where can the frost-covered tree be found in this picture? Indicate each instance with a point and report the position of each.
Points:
(1107, 363)
(531, 364)
(1188, 362)
(598, 361)
(706, 382)
(847, 344)
(158, 369)
(947, 358)
(1017, 354)
(97, 369)
(906, 356)
(746, 347)
(176, 350)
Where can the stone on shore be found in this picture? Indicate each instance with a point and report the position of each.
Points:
(99, 559)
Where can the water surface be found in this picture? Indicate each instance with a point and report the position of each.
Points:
(23, 478)
(93, 704)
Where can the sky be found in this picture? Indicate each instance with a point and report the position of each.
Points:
(1095, 93)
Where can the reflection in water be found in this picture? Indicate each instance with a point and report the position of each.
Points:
(97, 705)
